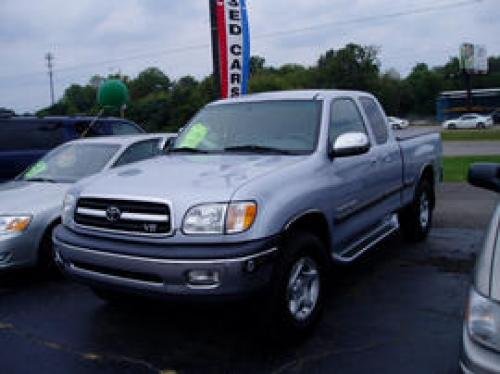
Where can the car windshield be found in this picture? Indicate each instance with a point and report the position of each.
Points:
(70, 162)
(287, 126)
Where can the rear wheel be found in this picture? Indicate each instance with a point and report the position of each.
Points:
(416, 219)
(452, 126)
(296, 300)
(480, 125)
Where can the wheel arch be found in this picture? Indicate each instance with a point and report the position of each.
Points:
(427, 173)
(47, 235)
(313, 221)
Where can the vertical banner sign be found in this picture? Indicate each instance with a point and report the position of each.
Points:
(231, 46)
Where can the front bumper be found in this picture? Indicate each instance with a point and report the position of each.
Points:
(476, 359)
(17, 251)
(130, 267)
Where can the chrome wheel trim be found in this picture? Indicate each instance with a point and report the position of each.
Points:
(425, 211)
(303, 288)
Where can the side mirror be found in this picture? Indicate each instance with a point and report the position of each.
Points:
(351, 144)
(485, 175)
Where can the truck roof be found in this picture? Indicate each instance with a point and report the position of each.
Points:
(293, 95)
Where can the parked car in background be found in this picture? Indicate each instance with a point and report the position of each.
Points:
(398, 123)
(469, 121)
(30, 206)
(258, 193)
(480, 352)
(23, 139)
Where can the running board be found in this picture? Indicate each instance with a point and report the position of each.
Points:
(368, 241)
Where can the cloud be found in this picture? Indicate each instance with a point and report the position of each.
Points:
(90, 36)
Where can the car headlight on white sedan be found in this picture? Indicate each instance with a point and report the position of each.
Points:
(14, 224)
(220, 218)
(68, 208)
(483, 320)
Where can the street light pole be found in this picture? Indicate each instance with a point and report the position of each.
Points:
(50, 57)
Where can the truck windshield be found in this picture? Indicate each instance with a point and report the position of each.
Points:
(70, 162)
(287, 127)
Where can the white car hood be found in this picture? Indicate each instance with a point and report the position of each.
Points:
(31, 197)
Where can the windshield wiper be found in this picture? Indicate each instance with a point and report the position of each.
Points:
(45, 180)
(258, 149)
(187, 150)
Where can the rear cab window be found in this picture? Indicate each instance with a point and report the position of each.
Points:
(376, 118)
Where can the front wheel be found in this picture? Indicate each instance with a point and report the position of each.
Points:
(298, 285)
(416, 219)
(452, 126)
(480, 126)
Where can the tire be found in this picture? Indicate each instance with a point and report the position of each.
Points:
(416, 219)
(298, 286)
(480, 125)
(452, 126)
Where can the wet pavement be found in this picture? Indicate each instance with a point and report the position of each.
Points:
(398, 310)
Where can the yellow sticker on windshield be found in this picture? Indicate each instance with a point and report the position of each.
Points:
(36, 169)
(194, 136)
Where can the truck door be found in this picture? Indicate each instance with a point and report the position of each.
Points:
(385, 187)
(350, 177)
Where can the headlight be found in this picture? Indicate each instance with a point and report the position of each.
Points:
(220, 218)
(68, 207)
(14, 224)
(483, 320)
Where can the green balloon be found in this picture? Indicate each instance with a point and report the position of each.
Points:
(112, 93)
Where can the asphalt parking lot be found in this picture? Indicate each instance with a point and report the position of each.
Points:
(398, 310)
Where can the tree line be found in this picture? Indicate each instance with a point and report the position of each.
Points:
(161, 104)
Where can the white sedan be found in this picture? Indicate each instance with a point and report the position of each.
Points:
(469, 121)
(398, 123)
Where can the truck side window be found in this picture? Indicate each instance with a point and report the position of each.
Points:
(376, 118)
(139, 151)
(345, 117)
(32, 134)
(82, 128)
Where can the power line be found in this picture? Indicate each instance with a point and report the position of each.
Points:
(366, 19)
(278, 33)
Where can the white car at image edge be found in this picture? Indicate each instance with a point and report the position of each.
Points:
(469, 121)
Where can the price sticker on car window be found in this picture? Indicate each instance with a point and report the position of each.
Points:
(194, 136)
(36, 169)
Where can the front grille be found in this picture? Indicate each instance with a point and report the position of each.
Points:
(129, 216)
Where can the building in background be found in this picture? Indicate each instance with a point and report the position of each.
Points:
(452, 104)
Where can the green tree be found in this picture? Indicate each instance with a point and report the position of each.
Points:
(351, 67)
(149, 81)
(425, 85)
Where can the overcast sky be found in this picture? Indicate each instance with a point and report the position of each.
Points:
(90, 37)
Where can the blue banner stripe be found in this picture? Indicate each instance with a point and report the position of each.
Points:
(246, 48)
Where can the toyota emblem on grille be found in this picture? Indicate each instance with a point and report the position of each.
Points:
(113, 214)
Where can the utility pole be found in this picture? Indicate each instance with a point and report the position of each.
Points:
(50, 57)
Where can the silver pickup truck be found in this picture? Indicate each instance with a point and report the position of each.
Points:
(263, 192)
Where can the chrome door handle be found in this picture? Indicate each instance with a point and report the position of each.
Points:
(373, 161)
